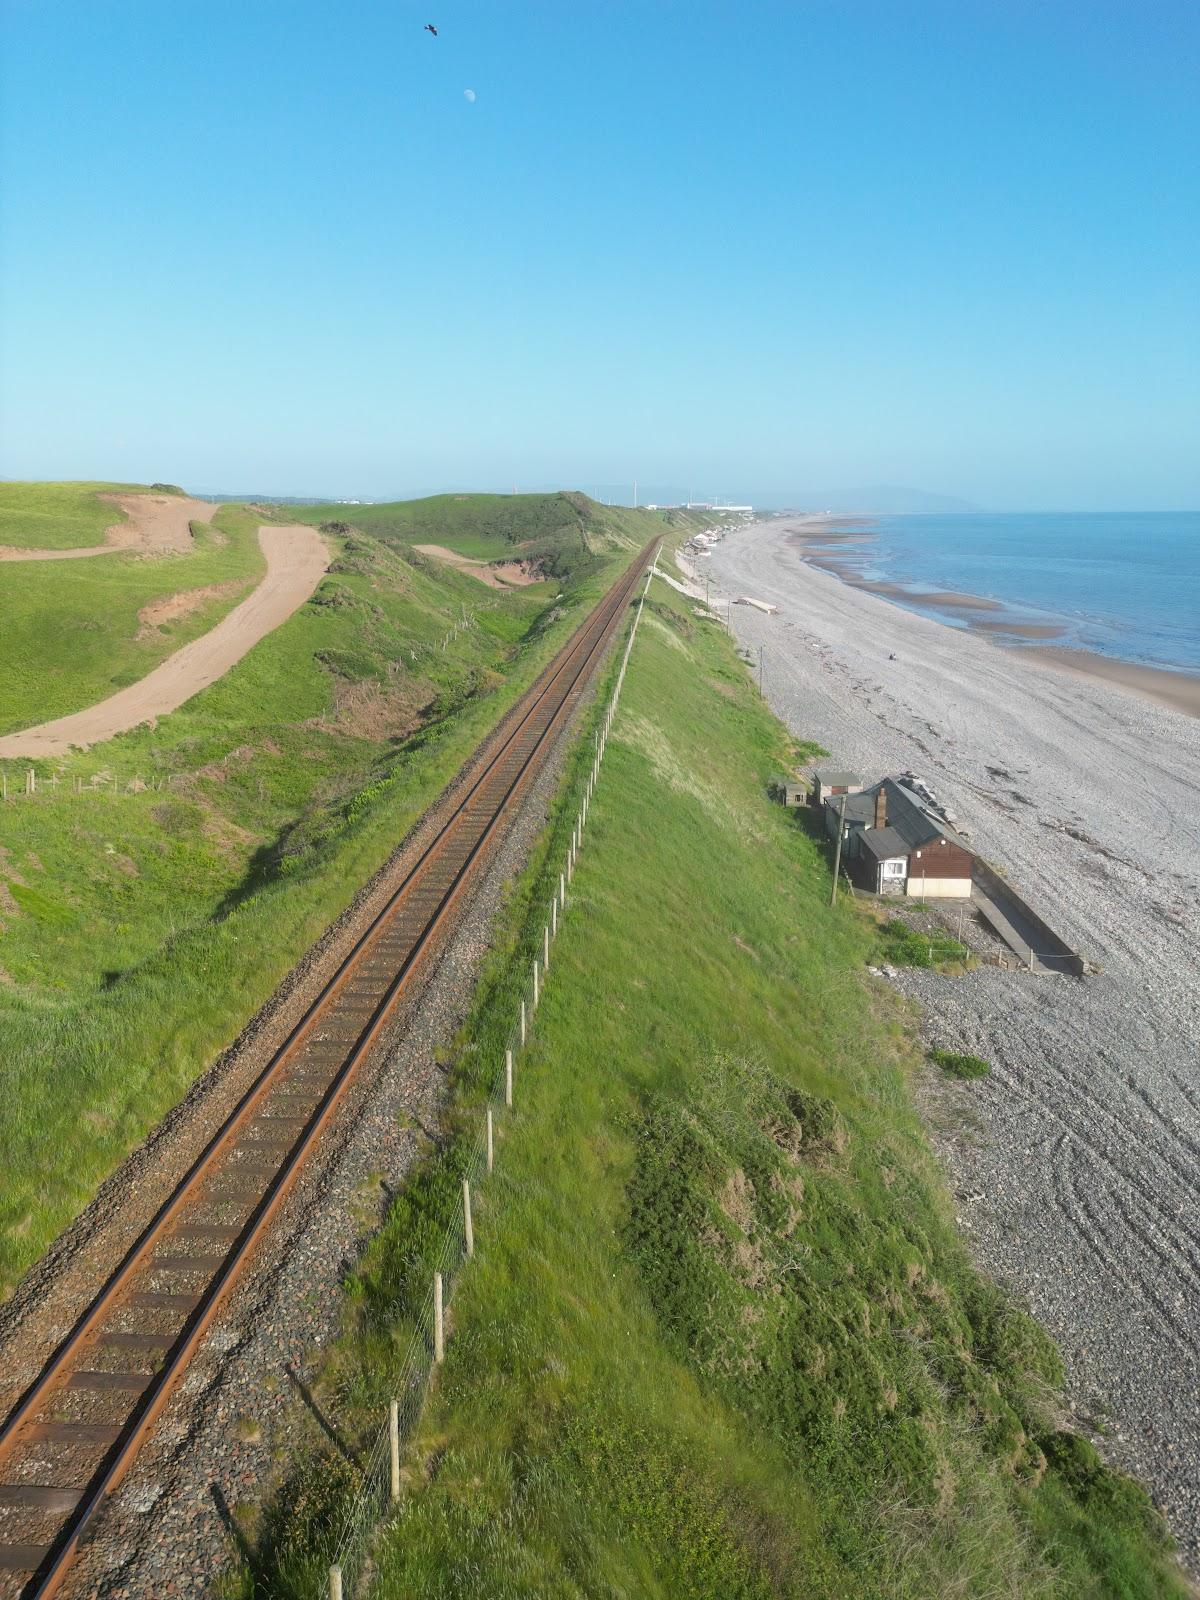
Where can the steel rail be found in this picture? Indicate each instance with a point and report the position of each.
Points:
(539, 714)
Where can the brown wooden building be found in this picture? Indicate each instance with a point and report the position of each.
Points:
(894, 844)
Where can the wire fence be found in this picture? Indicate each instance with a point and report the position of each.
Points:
(379, 1487)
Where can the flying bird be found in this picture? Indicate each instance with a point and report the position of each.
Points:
(429, 28)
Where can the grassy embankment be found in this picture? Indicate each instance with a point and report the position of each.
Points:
(720, 1337)
(140, 930)
(59, 516)
(553, 529)
(72, 633)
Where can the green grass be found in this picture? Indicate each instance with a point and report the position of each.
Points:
(143, 923)
(960, 1066)
(72, 635)
(720, 1337)
(59, 516)
(905, 946)
(556, 529)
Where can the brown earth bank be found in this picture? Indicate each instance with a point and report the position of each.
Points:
(173, 606)
(154, 524)
(496, 574)
(297, 559)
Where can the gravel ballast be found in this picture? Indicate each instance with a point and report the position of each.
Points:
(174, 1523)
(1075, 1162)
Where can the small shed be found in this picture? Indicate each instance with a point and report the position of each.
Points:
(791, 790)
(826, 781)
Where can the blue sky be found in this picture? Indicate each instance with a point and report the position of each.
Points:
(758, 250)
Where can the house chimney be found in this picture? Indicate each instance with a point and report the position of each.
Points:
(881, 807)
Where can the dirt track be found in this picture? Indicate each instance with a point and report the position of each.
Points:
(155, 524)
(496, 574)
(296, 561)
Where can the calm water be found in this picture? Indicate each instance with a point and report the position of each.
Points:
(1125, 584)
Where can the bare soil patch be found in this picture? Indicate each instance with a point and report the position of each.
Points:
(174, 606)
(154, 525)
(370, 711)
(296, 562)
(496, 574)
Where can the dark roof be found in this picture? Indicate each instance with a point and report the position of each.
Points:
(883, 843)
(836, 780)
(860, 808)
(909, 824)
(909, 815)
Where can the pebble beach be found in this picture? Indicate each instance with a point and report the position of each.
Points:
(1076, 1163)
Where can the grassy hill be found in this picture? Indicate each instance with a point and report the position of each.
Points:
(60, 516)
(145, 919)
(557, 530)
(76, 631)
(720, 1337)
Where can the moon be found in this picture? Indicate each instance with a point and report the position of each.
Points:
(469, 94)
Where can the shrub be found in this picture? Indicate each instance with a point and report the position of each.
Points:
(960, 1066)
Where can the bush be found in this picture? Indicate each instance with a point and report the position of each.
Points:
(909, 947)
(960, 1066)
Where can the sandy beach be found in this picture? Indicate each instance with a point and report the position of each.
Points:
(825, 542)
(1076, 1163)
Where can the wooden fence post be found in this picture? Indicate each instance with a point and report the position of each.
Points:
(545, 947)
(562, 890)
(394, 1446)
(468, 1230)
(554, 917)
(489, 1138)
(535, 983)
(335, 1583)
(523, 1029)
(508, 1079)
(439, 1326)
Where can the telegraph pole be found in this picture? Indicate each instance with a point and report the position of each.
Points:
(837, 859)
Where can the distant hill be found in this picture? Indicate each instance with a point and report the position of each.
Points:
(557, 530)
(887, 498)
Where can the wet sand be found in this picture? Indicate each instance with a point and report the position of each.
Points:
(1178, 690)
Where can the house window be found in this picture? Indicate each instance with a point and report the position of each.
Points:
(893, 869)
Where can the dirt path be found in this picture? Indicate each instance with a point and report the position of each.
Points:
(155, 524)
(496, 574)
(296, 562)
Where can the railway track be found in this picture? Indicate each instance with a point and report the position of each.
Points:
(70, 1440)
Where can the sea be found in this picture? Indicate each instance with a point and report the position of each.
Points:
(1121, 583)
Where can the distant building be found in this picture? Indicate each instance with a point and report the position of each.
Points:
(894, 843)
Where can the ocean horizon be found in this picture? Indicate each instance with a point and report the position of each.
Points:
(1123, 584)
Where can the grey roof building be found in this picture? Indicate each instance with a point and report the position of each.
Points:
(896, 844)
